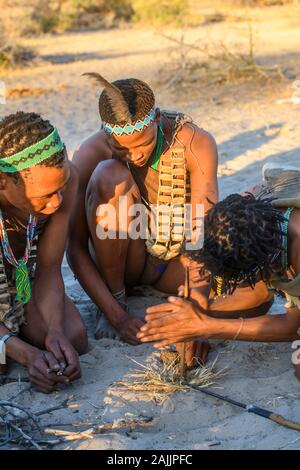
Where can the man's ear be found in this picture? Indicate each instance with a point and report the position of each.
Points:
(3, 181)
(157, 115)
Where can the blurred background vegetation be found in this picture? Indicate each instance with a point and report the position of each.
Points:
(21, 19)
(35, 17)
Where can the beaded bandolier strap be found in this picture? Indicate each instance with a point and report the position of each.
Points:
(173, 194)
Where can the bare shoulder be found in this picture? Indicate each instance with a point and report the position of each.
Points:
(92, 150)
(191, 134)
(199, 143)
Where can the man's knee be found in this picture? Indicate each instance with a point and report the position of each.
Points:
(109, 179)
(78, 337)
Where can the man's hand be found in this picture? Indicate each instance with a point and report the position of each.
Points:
(197, 296)
(129, 328)
(179, 320)
(65, 355)
(40, 365)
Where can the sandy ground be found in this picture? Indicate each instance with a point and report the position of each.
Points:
(251, 129)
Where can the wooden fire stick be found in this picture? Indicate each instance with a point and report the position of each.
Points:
(186, 295)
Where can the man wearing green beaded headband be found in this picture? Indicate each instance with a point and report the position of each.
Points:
(39, 325)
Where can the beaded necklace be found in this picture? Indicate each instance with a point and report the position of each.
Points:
(23, 289)
(158, 148)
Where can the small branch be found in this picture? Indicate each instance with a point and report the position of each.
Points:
(64, 404)
(25, 436)
(25, 389)
(5, 404)
(99, 429)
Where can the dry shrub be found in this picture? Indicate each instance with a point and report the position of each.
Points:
(213, 63)
(13, 54)
(20, 91)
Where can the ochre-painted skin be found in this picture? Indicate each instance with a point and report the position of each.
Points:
(125, 262)
(54, 332)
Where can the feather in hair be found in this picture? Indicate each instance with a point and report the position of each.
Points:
(118, 103)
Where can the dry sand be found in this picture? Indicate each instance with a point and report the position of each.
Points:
(250, 129)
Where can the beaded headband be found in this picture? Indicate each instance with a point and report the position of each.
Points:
(128, 128)
(33, 155)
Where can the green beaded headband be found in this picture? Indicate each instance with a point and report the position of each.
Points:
(33, 155)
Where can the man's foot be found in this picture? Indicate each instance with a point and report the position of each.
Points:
(146, 291)
(103, 328)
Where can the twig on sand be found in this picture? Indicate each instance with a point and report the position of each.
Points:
(20, 392)
(89, 433)
(70, 435)
(12, 380)
(14, 433)
(64, 404)
(13, 429)
(186, 296)
(10, 404)
(289, 443)
(25, 436)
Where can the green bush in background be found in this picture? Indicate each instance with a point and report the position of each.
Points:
(160, 12)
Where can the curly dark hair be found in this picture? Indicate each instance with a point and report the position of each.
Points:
(21, 130)
(242, 236)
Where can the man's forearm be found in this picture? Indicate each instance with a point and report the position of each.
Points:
(91, 281)
(49, 298)
(17, 349)
(269, 328)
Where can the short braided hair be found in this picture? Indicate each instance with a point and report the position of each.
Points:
(138, 96)
(241, 236)
(21, 130)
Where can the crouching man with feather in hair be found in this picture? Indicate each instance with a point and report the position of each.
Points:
(150, 157)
